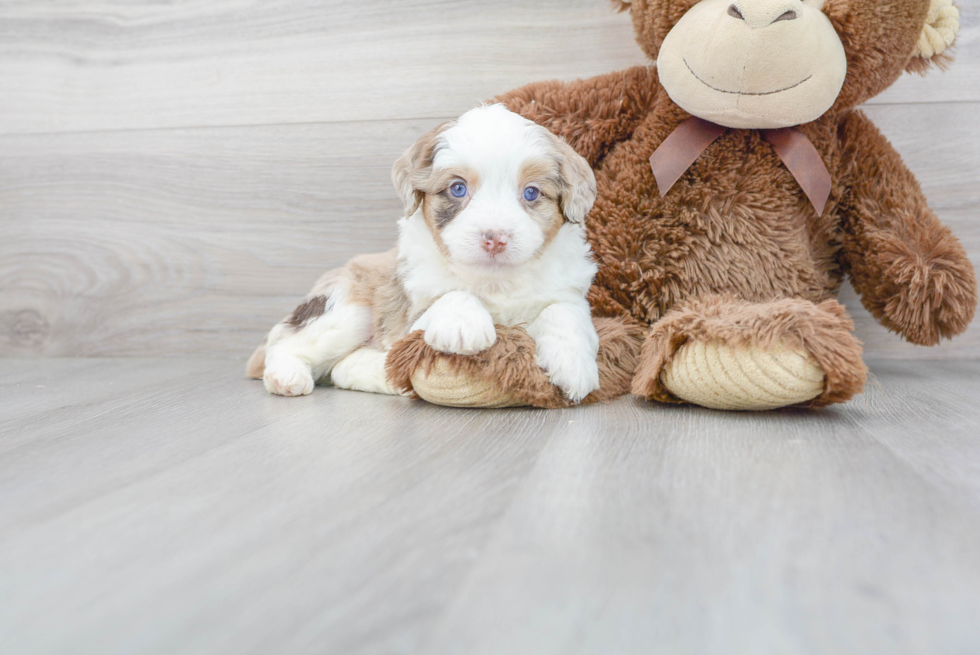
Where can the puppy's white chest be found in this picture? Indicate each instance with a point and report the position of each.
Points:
(514, 311)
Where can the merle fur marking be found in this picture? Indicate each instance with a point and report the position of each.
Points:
(310, 310)
(447, 210)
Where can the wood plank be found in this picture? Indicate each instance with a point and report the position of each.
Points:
(197, 240)
(109, 65)
(341, 522)
(78, 387)
(205, 516)
(706, 532)
(947, 452)
(183, 241)
(36, 371)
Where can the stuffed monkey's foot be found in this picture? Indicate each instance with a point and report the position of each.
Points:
(441, 385)
(726, 353)
(507, 373)
(721, 376)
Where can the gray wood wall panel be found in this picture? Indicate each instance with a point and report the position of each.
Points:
(173, 177)
(183, 240)
(114, 64)
(98, 65)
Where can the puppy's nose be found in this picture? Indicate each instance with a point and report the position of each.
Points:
(495, 241)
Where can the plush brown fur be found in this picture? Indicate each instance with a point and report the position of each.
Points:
(735, 251)
(510, 366)
(912, 273)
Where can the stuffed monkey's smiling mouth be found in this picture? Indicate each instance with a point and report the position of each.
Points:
(744, 93)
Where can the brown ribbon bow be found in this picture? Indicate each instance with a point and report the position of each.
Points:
(692, 137)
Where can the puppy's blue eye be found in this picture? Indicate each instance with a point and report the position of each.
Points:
(531, 194)
(458, 190)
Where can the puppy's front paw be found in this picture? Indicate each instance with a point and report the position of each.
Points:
(288, 377)
(574, 372)
(461, 334)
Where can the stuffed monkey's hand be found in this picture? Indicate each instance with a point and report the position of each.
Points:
(457, 323)
(928, 295)
(911, 272)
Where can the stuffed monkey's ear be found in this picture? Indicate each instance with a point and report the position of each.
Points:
(938, 34)
(412, 169)
(622, 5)
(576, 182)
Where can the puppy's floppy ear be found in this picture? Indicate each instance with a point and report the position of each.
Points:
(413, 168)
(576, 181)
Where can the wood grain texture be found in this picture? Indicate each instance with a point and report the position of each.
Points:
(195, 240)
(106, 65)
(207, 483)
(164, 242)
(113, 64)
(198, 514)
(718, 534)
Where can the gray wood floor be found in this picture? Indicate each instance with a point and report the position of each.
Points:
(175, 175)
(171, 506)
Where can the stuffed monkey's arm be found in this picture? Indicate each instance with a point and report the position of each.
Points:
(912, 274)
(593, 114)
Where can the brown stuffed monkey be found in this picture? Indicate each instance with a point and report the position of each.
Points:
(737, 186)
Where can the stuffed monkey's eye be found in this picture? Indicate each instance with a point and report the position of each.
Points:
(458, 189)
(531, 193)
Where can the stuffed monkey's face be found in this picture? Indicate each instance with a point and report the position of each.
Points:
(754, 64)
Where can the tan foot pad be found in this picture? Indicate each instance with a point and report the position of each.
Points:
(721, 376)
(442, 386)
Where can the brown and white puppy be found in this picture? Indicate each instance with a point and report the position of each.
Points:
(493, 234)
